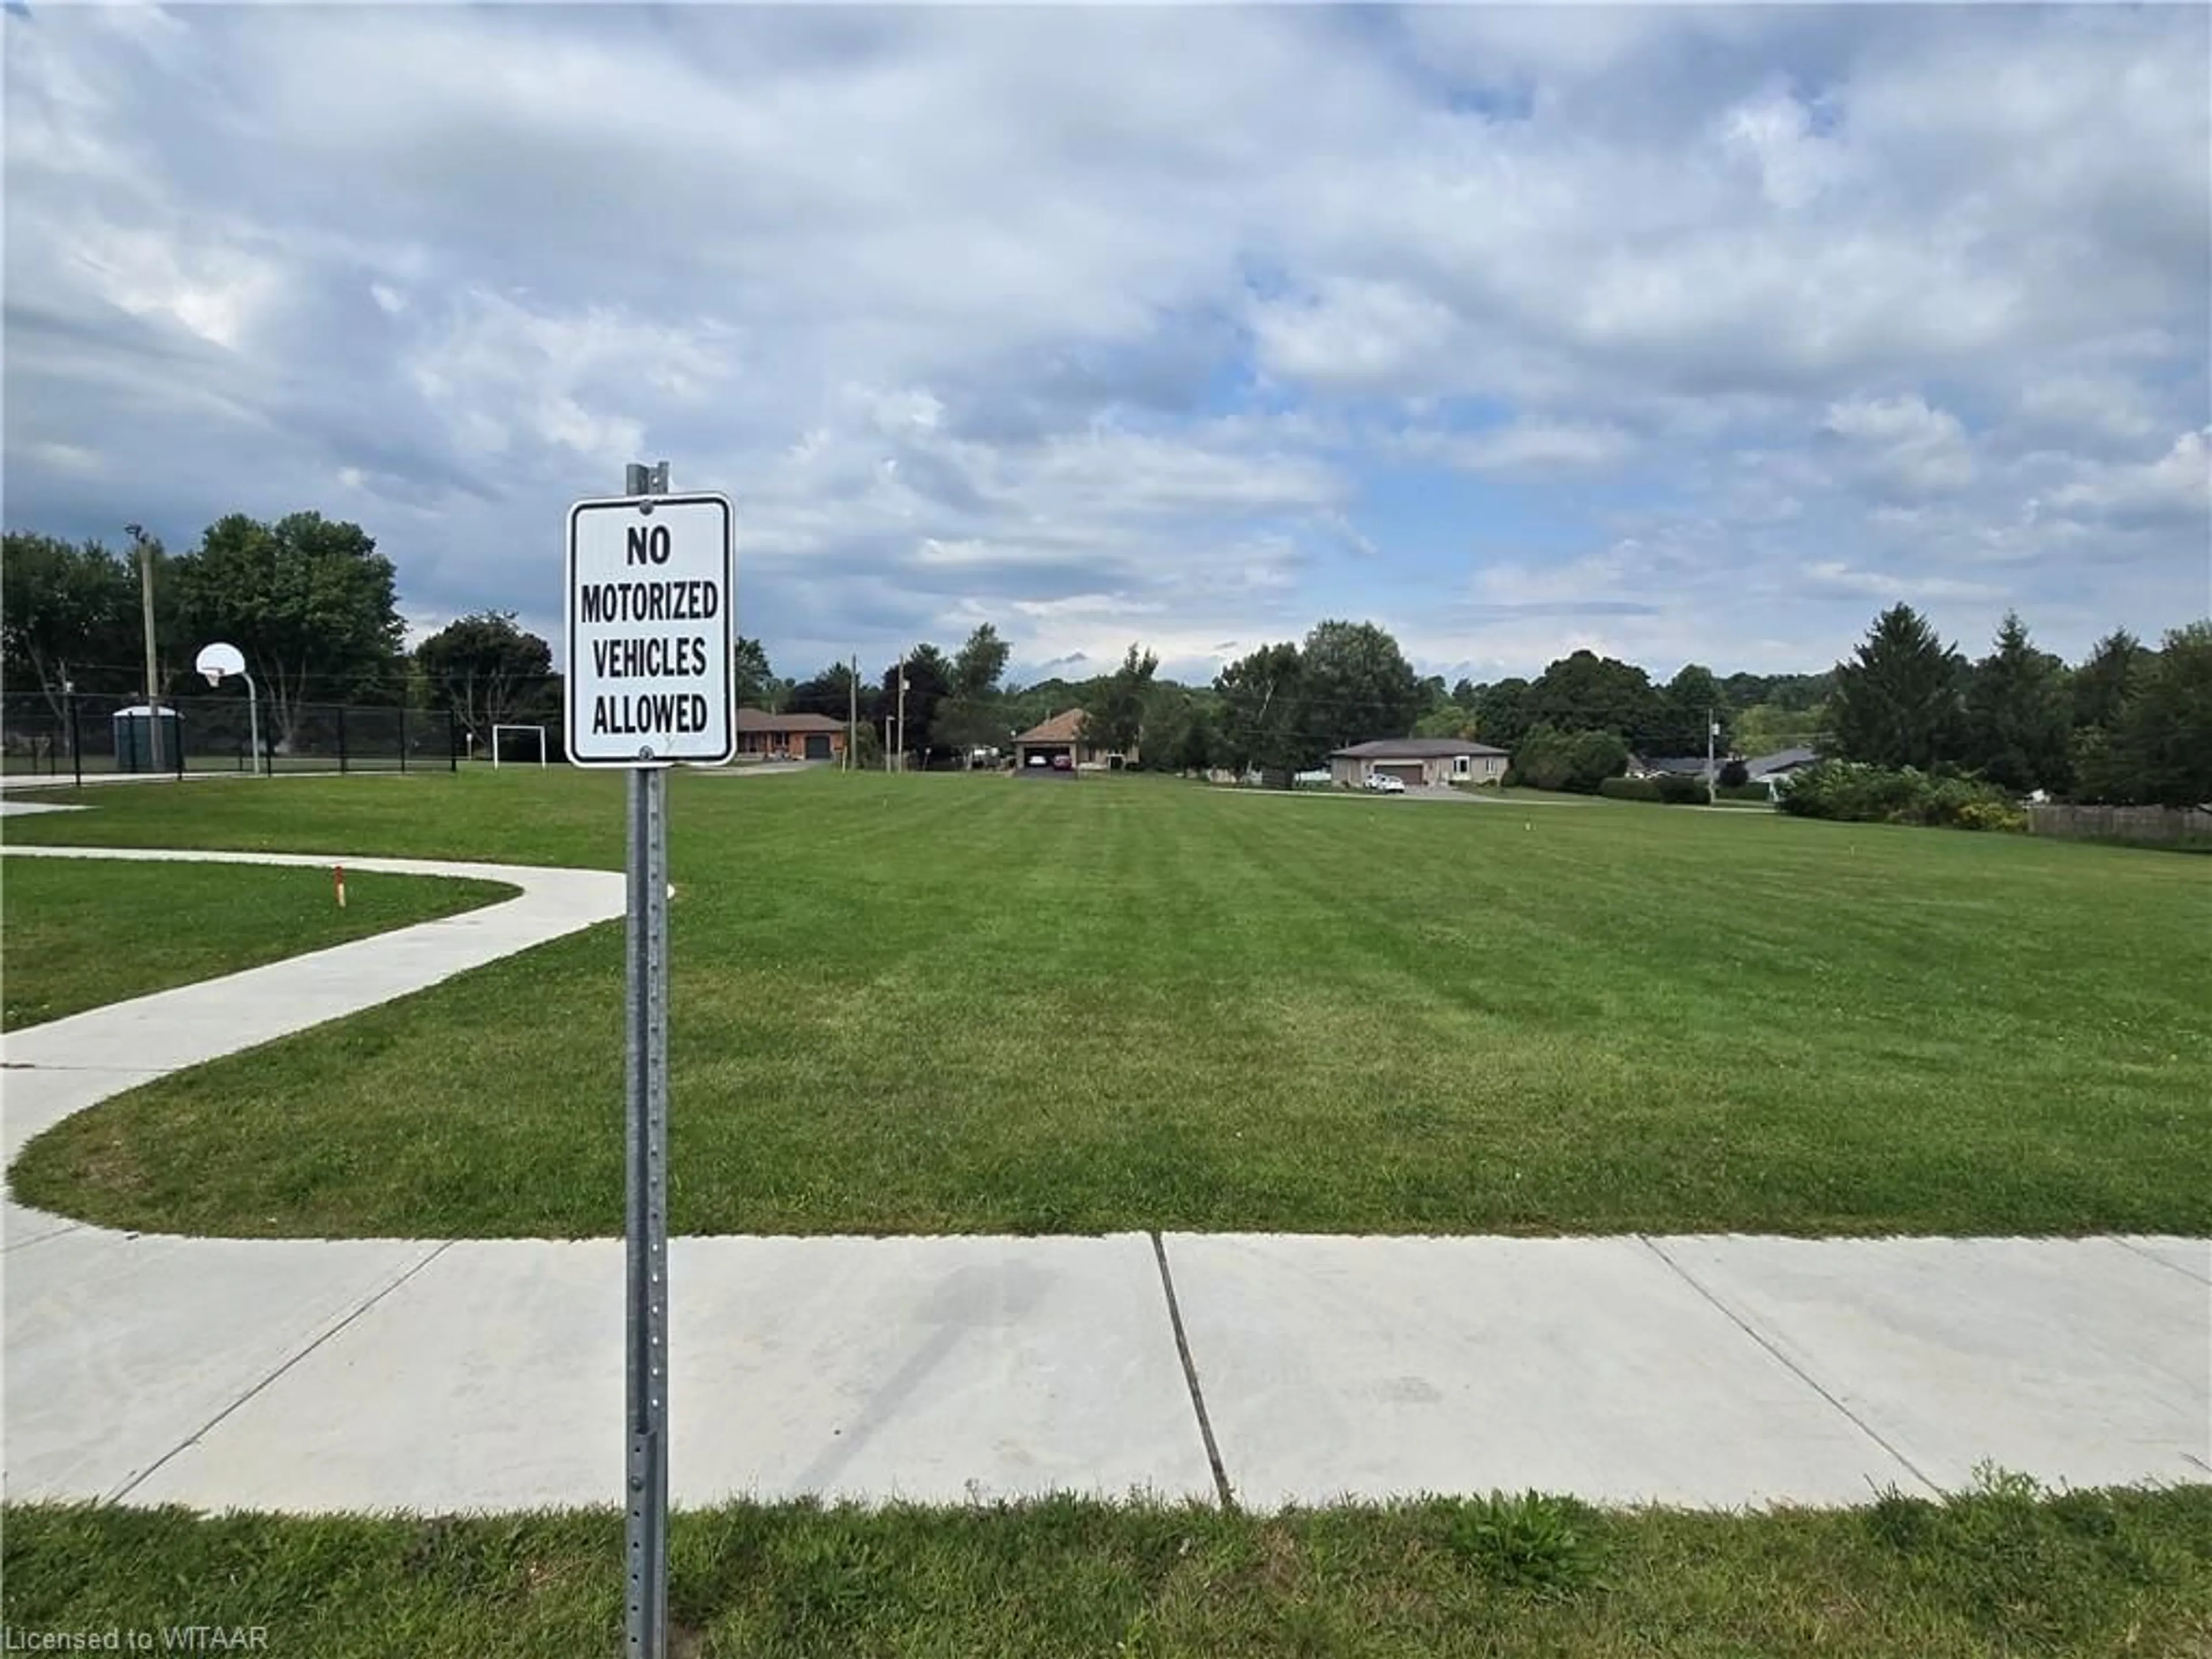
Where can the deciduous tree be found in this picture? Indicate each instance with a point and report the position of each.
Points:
(928, 680)
(309, 600)
(752, 678)
(1501, 714)
(487, 670)
(829, 692)
(1114, 720)
(68, 614)
(978, 665)
(1356, 686)
(1585, 692)
(1551, 757)
(1261, 721)
(1678, 725)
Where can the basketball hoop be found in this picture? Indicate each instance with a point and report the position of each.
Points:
(216, 663)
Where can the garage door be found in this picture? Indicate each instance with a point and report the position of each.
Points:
(1410, 772)
(817, 745)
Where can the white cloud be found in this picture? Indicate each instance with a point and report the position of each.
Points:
(2176, 487)
(66, 458)
(1527, 447)
(1902, 447)
(1682, 310)
(498, 366)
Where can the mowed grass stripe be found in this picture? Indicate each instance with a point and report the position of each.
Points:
(955, 1003)
(80, 934)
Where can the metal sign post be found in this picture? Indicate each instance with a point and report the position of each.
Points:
(645, 1222)
(651, 587)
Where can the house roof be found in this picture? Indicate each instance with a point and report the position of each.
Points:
(757, 719)
(1066, 726)
(1781, 761)
(1414, 749)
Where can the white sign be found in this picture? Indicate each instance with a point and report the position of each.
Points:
(651, 580)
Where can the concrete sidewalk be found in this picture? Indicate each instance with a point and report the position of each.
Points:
(444, 1375)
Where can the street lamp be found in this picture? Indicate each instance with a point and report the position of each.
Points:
(216, 661)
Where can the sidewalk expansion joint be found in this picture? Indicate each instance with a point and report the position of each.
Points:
(53, 1065)
(204, 1429)
(2152, 1256)
(1221, 1487)
(13, 1245)
(1788, 1365)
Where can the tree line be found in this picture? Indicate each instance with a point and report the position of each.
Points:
(309, 600)
(2128, 724)
(312, 604)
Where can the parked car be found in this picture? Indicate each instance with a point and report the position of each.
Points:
(1385, 783)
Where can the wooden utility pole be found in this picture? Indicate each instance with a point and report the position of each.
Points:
(147, 546)
(853, 716)
(902, 715)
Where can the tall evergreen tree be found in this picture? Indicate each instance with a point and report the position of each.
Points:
(2020, 716)
(2101, 684)
(2162, 746)
(1897, 702)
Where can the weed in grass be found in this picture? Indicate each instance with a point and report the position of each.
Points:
(1900, 1521)
(2036, 1571)
(1531, 1542)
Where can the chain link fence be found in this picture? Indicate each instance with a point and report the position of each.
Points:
(74, 737)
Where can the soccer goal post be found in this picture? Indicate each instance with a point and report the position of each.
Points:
(497, 730)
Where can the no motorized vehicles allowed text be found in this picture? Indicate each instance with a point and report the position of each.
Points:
(651, 581)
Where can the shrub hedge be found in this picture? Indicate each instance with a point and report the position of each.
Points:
(1548, 759)
(1856, 792)
(1669, 791)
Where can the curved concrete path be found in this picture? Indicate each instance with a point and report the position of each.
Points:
(444, 1375)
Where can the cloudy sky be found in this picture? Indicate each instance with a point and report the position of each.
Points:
(1681, 335)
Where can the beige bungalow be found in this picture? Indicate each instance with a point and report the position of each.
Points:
(1418, 763)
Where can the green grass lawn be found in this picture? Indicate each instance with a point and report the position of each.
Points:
(950, 1003)
(80, 933)
(1998, 1571)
